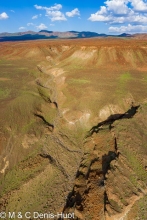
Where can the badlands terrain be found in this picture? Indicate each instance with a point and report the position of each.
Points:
(73, 128)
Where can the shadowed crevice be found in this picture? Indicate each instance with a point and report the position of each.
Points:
(112, 118)
(56, 163)
(43, 119)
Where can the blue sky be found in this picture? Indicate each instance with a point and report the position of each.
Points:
(109, 16)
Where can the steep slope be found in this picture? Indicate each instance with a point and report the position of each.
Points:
(73, 127)
(112, 174)
(44, 34)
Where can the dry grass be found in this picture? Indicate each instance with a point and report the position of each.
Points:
(97, 73)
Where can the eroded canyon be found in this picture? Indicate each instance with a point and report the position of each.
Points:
(74, 128)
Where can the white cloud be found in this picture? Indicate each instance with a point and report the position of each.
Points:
(56, 15)
(30, 24)
(35, 17)
(52, 25)
(117, 6)
(38, 7)
(41, 26)
(55, 7)
(3, 16)
(12, 11)
(139, 5)
(121, 12)
(74, 12)
(22, 28)
(128, 29)
(53, 12)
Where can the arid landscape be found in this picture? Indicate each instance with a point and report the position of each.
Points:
(73, 128)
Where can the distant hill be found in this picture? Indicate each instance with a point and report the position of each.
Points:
(124, 35)
(45, 34)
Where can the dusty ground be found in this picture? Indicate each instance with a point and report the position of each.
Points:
(73, 127)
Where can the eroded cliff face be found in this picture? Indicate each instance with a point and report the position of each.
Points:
(74, 128)
(112, 175)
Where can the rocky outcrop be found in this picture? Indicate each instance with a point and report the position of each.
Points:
(76, 140)
(106, 185)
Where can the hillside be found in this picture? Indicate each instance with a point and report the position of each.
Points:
(74, 127)
(44, 34)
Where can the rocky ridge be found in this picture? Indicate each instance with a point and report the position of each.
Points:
(96, 174)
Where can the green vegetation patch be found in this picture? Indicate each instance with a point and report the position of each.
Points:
(20, 110)
(125, 77)
(49, 114)
(142, 212)
(4, 93)
(26, 169)
(45, 93)
(22, 68)
(79, 81)
(123, 81)
(38, 194)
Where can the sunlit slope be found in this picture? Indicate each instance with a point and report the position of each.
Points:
(52, 94)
